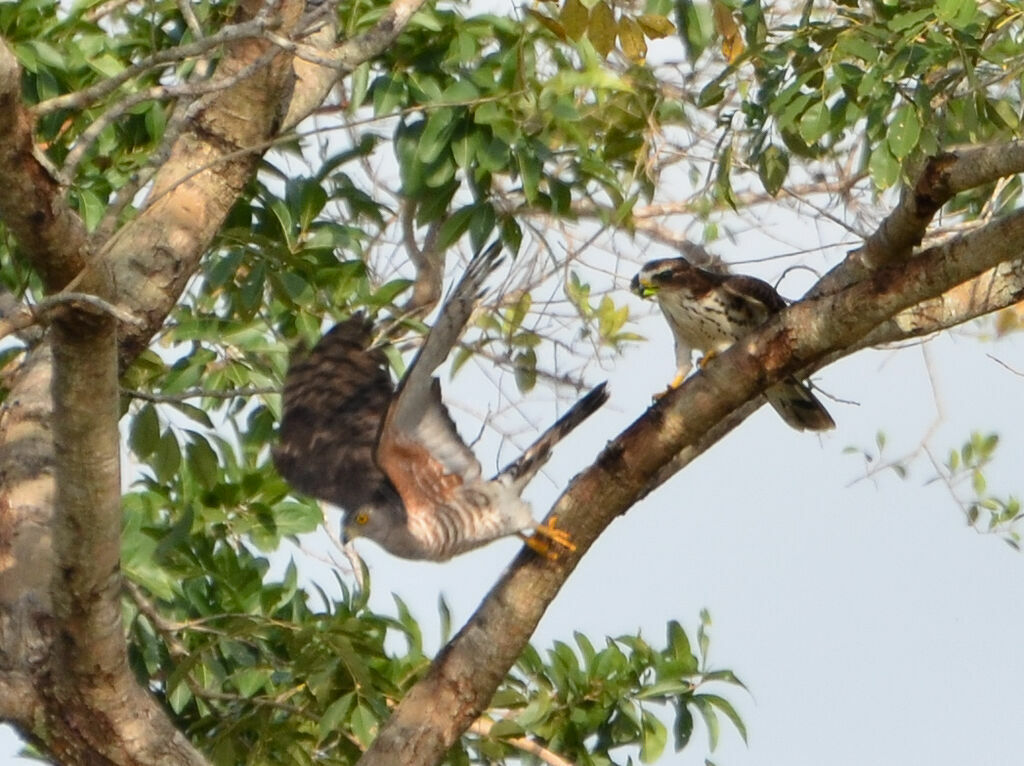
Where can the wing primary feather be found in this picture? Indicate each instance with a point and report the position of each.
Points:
(414, 390)
(519, 473)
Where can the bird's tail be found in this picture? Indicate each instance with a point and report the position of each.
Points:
(519, 473)
(799, 407)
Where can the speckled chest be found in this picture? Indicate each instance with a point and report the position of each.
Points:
(711, 321)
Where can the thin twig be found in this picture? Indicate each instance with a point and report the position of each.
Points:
(196, 393)
(483, 726)
(166, 628)
(157, 93)
(1003, 364)
(86, 96)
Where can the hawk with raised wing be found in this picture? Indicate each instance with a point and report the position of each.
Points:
(393, 460)
(708, 312)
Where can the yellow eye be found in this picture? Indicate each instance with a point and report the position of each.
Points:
(362, 517)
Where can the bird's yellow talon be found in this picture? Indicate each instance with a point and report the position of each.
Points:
(546, 536)
(677, 381)
(708, 356)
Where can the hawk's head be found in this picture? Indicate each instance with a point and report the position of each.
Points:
(387, 525)
(675, 274)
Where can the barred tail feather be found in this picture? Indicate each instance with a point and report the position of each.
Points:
(799, 407)
(519, 473)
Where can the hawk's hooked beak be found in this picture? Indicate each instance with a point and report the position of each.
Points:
(348, 531)
(643, 288)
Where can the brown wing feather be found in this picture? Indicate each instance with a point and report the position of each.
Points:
(416, 415)
(333, 404)
(752, 289)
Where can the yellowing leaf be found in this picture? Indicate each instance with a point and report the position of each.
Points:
(602, 28)
(552, 25)
(725, 25)
(1010, 320)
(631, 39)
(655, 25)
(575, 18)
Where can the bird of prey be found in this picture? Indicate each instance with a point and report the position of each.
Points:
(393, 460)
(708, 312)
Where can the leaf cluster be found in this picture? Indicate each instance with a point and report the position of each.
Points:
(893, 82)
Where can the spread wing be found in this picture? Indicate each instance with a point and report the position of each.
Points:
(333, 404)
(419, 448)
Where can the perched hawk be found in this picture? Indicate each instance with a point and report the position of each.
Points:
(393, 461)
(708, 312)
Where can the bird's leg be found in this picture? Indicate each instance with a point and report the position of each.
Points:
(708, 356)
(677, 381)
(547, 535)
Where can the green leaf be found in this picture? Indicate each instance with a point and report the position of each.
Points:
(436, 136)
(814, 122)
(145, 432)
(947, 10)
(360, 86)
(529, 172)
(904, 131)
(456, 225)
(459, 92)
(682, 728)
(707, 712)
(655, 735)
(679, 646)
(167, 459)
(978, 482)
(711, 94)
(388, 94)
(364, 725)
(202, 460)
(90, 207)
(526, 370)
(884, 168)
(333, 717)
(506, 728)
(445, 613)
(726, 707)
(248, 681)
(772, 167)
(1004, 112)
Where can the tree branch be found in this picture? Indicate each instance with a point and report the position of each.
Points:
(154, 255)
(943, 177)
(465, 674)
(319, 76)
(106, 713)
(31, 201)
